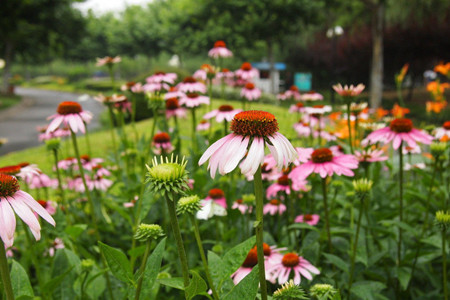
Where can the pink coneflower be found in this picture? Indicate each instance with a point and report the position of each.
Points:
(98, 183)
(12, 199)
(41, 180)
(370, 155)
(108, 61)
(337, 150)
(224, 112)
(57, 244)
(110, 99)
(225, 73)
(220, 50)
(274, 207)
(90, 162)
(173, 93)
(127, 86)
(243, 208)
(123, 106)
(400, 130)
(291, 94)
(162, 144)
(281, 268)
(99, 170)
(247, 72)
(58, 133)
(298, 107)
(49, 206)
(131, 203)
(250, 92)
(303, 129)
(327, 136)
(193, 100)
(67, 163)
(218, 196)
(70, 114)
(249, 126)
(200, 74)
(173, 109)
(308, 219)
(210, 209)
(443, 133)
(408, 166)
(349, 91)
(250, 261)
(191, 85)
(324, 163)
(27, 171)
(203, 125)
(162, 77)
(138, 88)
(304, 154)
(154, 87)
(317, 110)
(284, 184)
(311, 96)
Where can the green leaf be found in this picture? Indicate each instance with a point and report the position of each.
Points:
(302, 226)
(216, 268)
(247, 288)
(152, 269)
(51, 285)
(234, 258)
(337, 261)
(65, 262)
(117, 262)
(20, 283)
(367, 289)
(176, 282)
(434, 240)
(76, 230)
(404, 276)
(196, 286)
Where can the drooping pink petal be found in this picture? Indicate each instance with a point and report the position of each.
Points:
(34, 205)
(25, 213)
(7, 223)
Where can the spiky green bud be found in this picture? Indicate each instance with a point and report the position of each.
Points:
(53, 144)
(289, 291)
(323, 291)
(188, 205)
(362, 187)
(438, 148)
(248, 199)
(443, 219)
(146, 232)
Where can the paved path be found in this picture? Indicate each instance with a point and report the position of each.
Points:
(19, 123)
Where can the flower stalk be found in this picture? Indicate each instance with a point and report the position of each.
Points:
(327, 217)
(142, 268)
(349, 125)
(4, 272)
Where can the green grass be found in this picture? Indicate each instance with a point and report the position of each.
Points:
(101, 144)
(7, 101)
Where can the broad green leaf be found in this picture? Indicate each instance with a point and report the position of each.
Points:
(434, 240)
(247, 288)
(337, 261)
(175, 282)
(117, 262)
(152, 269)
(20, 283)
(404, 275)
(367, 289)
(302, 226)
(196, 286)
(74, 231)
(65, 261)
(216, 268)
(51, 285)
(234, 258)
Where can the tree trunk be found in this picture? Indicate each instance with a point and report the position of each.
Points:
(376, 76)
(272, 65)
(9, 47)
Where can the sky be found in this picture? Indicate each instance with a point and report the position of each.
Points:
(103, 6)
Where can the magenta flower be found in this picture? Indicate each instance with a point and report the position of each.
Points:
(67, 163)
(370, 155)
(203, 125)
(173, 93)
(250, 92)
(302, 129)
(173, 109)
(162, 77)
(243, 208)
(349, 91)
(218, 196)
(311, 96)
(308, 219)
(193, 100)
(57, 244)
(274, 207)
(291, 94)
(281, 268)
(224, 112)
(284, 184)
(324, 163)
(191, 85)
(70, 114)
(400, 130)
(12, 199)
(162, 144)
(219, 50)
(246, 72)
(250, 129)
(298, 107)
(98, 183)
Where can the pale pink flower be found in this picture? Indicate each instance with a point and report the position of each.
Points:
(371, 155)
(218, 196)
(327, 136)
(191, 85)
(193, 100)
(291, 94)
(70, 114)
(57, 244)
(324, 163)
(302, 129)
(311, 96)
(27, 171)
(173, 109)
(243, 208)
(67, 163)
(161, 143)
(318, 109)
(443, 132)
(88, 162)
(250, 129)
(281, 268)
(399, 131)
(298, 107)
(349, 91)
(219, 50)
(152, 87)
(41, 180)
(203, 125)
(49, 206)
(162, 77)
(304, 154)
(250, 92)
(98, 183)
(173, 93)
(409, 166)
(274, 207)
(247, 72)
(225, 73)
(224, 112)
(284, 184)
(138, 88)
(411, 150)
(210, 209)
(200, 74)
(123, 106)
(58, 133)
(12, 199)
(108, 60)
(110, 99)
(127, 86)
(131, 203)
(101, 171)
(308, 219)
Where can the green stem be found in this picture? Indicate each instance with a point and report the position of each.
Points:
(444, 265)
(179, 241)
(141, 269)
(4, 272)
(58, 175)
(203, 257)
(133, 117)
(194, 124)
(355, 244)
(349, 124)
(111, 75)
(319, 131)
(327, 217)
(113, 136)
(225, 127)
(259, 231)
(400, 231)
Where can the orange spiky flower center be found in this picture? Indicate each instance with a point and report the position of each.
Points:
(192, 95)
(275, 202)
(69, 107)
(246, 66)
(266, 248)
(249, 86)
(220, 44)
(203, 122)
(251, 260)
(240, 201)
(293, 88)
(446, 125)
(264, 168)
(10, 170)
(8, 185)
(299, 105)
(189, 79)
(283, 180)
(322, 155)
(290, 260)
(23, 164)
(85, 157)
(254, 123)
(225, 108)
(402, 125)
(307, 218)
(130, 84)
(225, 70)
(216, 193)
(161, 138)
(43, 203)
(172, 104)
(160, 73)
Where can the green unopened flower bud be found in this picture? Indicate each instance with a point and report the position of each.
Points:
(87, 264)
(438, 148)
(323, 291)
(288, 291)
(248, 198)
(430, 128)
(53, 144)
(443, 220)
(188, 205)
(168, 177)
(362, 187)
(337, 183)
(154, 100)
(146, 232)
